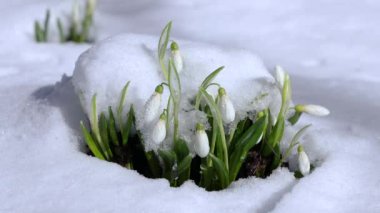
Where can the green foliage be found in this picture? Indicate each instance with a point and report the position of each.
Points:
(41, 33)
(78, 31)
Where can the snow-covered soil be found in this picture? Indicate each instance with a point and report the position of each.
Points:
(331, 49)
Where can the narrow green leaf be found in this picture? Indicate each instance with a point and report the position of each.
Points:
(221, 171)
(103, 130)
(153, 163)
(91, 143)
(37, 31)
(128, 126)
(294, 141)
(61, 32)
(211, 77)
(46, 25)
(120, 111)
(184, 164)
(162, 46)
(216, 115)
(249, 139)
(112, 127)
(181, 149)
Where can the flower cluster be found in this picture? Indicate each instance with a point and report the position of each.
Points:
(214, 157)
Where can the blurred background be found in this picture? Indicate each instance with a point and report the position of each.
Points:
(330, 48)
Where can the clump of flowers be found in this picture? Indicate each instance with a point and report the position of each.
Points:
(250, 147)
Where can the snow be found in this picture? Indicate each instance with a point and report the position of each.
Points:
(330, 49)
(106, 67)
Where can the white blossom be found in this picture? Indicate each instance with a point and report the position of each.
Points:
(176, 57)
(159, 130)
(311, 109)
(303, 161)
(280, 76)
(152, 106)
(201, 145)
(226, 107)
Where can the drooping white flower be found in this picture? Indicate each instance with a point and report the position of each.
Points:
(201, 145)
(226, 107)
(280, 76)
(176, 56)
(152, 106)
(303, 161)
(311, 109)
(159, 130)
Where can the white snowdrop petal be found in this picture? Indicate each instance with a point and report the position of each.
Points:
(177, 59)
(159, 131)
(280, 76)
(316, 110)
(202, 146)
(226, 109)
(152, 108)
(303, 163)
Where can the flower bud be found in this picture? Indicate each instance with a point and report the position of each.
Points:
(152, 106)
(159, 130)
(176, 57)
(280, 76)
(201, 146)
(303, 161)
(226, 107)
(311, 109)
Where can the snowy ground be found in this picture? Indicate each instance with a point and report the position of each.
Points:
(331, 50)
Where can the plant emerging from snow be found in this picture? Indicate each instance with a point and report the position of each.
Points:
(79, 26)
(225, 151)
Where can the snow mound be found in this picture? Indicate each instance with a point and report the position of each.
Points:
(106, 67)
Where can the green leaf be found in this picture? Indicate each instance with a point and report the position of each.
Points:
(38, 33)
(249, 139)
(211, 77)
(103, 130)
(112, 127)
(162, 46)
(91, 143)
(221, 171)
(61, 32)
(181, 149)
(275, 136)
(216, 115)
(46, 25)
(128, 126)
(276, 157)
(206, 82)
(184, 164)
(153, 164)
(169, 159)
(294, 141)
(120, 108)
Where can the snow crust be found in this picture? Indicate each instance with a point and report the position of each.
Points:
(331, 49)
(106, 67)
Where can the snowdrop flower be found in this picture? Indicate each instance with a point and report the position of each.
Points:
(152, 106)
(159, 130)
(311, 109)
(176, 57)
(280, 76)
(225, 106)
(303, 161)
(201, 145)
